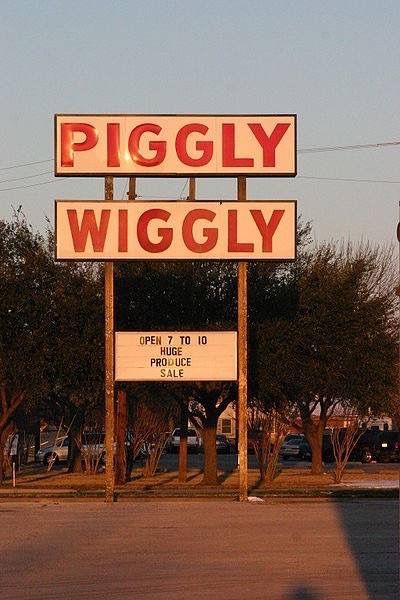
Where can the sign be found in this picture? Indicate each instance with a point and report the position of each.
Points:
(175, 145)
(166, 230)
(176, 356)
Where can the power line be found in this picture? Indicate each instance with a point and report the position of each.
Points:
(179, 197)
(314, 149)
(353, 147)
(21, 187)
(349, 179)
(18, 166)
(25, 177)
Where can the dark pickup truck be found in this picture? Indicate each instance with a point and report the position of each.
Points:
(380, 446)
(373, 445)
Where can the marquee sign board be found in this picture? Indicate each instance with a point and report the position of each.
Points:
(176, 356)
(166, 230)
(175, 145)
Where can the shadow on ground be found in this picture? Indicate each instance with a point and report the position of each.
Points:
(372, 533)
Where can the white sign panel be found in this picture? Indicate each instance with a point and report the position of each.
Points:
(165, 230)
(176, 356)
(175, 145)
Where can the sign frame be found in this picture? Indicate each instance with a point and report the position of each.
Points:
(183, 174)
(231, 333)
(201, 257)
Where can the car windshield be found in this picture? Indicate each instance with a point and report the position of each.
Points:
(191, 433)
(293, 442)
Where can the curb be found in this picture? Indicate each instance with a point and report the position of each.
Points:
(197, 494)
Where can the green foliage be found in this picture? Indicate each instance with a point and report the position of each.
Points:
(26, 272)
(335, 340)
(51, 321)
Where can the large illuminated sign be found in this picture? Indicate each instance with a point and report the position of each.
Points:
(166, 230)
(175, 145)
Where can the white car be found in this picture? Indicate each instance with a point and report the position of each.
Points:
(59, 451)
(193, 441)
(93, 443)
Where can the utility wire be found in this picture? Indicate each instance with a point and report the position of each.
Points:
(316, 149)
(25, 177)
(354, 147)
(21, 187)
(349, 179)
(311, 150)
(18, 166)
(124, 189)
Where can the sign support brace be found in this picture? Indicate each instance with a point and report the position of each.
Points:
(109, 363)
(242, 362)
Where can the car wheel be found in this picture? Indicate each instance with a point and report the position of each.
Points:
(47, 458)
(366, 455)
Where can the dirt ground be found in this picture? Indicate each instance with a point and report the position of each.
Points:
(36, 476)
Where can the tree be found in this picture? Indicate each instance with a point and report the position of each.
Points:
(50, 331)
(25, 272)
(344, 440)
(266, 432)
(207, 402)
(333, 341)
(76, 342)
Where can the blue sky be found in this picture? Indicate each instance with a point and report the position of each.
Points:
(335, 64)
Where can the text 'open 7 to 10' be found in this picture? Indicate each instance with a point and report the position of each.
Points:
(175, 145)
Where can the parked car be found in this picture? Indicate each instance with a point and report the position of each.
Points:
(223, 444)
(93, 442)
(295, 447)
(376, 445)
(293, 436)
(59, 451)
(373, 445)
(193, 441)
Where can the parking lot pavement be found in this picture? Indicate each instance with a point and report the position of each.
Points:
(218, 550)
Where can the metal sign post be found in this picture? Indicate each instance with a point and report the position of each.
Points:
(184, 416)
(109, 363)
(242, 362)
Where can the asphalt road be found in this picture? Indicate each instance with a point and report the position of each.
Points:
(227, 462)
(195, 550)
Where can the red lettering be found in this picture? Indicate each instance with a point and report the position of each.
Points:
(228, 149)
(123, 230)
(165, 233)
(113, 144)
(205, 147)
(233, 244)
(159, 147)
(88, 227)
(68, 146)
(267, 231)
(270, 143)
(210, 233)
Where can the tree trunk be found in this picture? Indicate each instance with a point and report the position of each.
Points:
(4, 433)
(183, 449)
(37, 437)
(314, 435)
(121, 422)
(2, 444)
(75, 444)
(210, 455)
